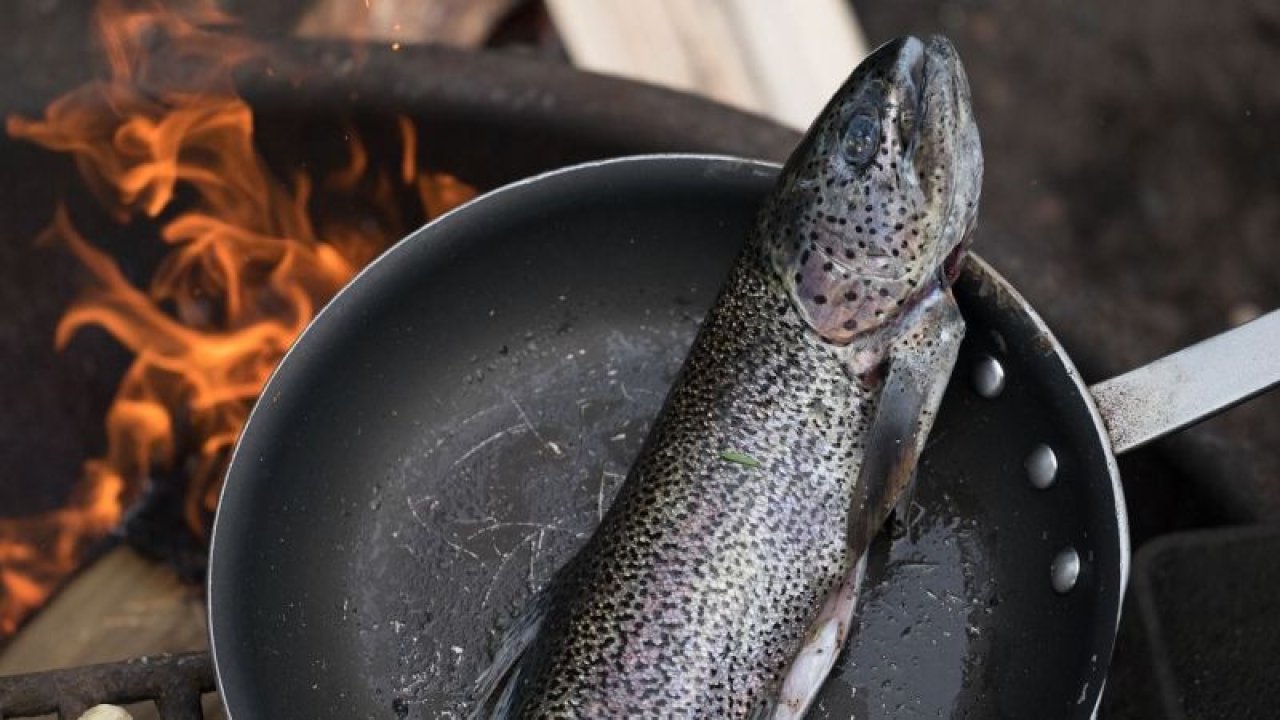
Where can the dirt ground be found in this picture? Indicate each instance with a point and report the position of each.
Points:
(1133, 186)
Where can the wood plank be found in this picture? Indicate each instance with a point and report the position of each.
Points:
(120, 607)
(783, 60)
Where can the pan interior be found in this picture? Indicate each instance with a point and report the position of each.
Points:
(451, 427)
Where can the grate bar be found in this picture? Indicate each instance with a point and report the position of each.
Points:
(174, 682)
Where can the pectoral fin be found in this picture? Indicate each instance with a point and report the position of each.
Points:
(919, 367)
(496, 687)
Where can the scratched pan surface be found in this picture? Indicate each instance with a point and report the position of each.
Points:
(451, 427)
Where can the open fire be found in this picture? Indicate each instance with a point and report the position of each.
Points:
(166, 146)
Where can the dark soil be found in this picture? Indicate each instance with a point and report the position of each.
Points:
(1133, 189)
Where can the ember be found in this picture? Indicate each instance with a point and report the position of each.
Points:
(247, 265)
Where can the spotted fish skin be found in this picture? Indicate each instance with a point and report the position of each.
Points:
(733, 527)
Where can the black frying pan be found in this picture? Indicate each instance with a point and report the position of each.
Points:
(451, 426)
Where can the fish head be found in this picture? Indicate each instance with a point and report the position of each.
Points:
(876, 206)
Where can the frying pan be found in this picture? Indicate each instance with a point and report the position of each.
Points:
(451, 427)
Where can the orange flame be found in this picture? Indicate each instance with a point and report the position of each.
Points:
(247, 267)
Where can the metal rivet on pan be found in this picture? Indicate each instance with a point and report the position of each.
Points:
(988, 376)
(1042, 467)
(1065, 570)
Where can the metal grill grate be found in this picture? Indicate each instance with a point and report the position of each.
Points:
(174, 682)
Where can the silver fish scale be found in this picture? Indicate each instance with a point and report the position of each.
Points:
(692, 596)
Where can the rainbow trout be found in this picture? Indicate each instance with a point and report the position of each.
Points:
(722, 581)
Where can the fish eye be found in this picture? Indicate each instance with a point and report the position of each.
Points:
(861, 139)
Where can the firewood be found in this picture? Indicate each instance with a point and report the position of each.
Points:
(120, 607)
(779, 59)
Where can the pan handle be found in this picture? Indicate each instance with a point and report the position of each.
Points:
(1190, 385)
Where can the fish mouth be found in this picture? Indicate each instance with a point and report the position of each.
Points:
(916, 68)
(933, 84)
(913, 62)
(943, 101)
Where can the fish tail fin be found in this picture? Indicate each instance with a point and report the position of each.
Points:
(822, 645)
(495, 692)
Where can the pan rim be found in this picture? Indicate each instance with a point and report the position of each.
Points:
(708, 165)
